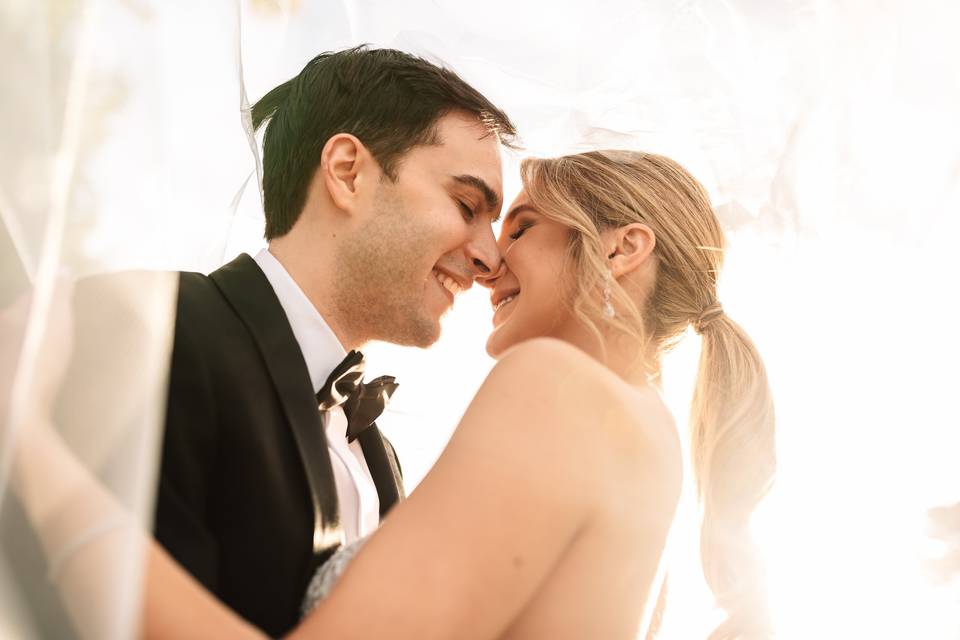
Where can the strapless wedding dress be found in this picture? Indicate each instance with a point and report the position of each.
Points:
(327, 575)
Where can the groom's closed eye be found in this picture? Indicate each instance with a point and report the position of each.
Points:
(468, 211)
(489, 199)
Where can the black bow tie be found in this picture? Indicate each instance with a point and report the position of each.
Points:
(363, 402)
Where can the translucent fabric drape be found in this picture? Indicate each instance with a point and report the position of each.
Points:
(827, 134)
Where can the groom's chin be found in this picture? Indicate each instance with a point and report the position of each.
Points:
(420, 332)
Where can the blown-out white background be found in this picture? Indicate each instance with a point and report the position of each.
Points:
(825, 131)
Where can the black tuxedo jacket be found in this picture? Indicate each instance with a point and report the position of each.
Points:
(245, 475)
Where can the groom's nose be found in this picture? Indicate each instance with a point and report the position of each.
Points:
(483, 255)
(490, 281)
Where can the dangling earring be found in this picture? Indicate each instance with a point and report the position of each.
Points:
(608, 309)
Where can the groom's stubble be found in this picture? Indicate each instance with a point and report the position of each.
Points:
(380, 281)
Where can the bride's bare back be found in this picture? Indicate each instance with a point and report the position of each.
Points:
(545, 516)
(605, 584)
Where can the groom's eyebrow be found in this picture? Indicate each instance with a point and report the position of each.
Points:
(490, 197)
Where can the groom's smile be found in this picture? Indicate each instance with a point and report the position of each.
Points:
(451, 286)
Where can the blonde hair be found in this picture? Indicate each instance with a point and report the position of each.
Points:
(732, 416)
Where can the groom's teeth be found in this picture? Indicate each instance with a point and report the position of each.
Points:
(448, 283)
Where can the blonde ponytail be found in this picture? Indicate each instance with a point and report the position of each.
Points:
(734, 459)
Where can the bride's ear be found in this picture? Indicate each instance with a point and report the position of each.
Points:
(629, 247)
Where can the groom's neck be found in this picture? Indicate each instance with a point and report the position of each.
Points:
(309, 261)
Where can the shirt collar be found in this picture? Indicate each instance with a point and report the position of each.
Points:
(320, 347)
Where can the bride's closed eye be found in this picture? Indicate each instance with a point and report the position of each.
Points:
(520, 229)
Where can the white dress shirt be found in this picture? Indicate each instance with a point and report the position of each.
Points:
(356, 492)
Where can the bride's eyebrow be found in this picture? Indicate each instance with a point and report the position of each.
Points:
(517, 210)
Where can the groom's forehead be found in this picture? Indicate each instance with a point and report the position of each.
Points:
(464, 146)
(478, 179)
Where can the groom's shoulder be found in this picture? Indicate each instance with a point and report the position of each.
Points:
(197, 300)
(241, 278)
(204, 318)
(198, 297)
(194, 287)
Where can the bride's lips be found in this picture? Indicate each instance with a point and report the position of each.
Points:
(502, 299)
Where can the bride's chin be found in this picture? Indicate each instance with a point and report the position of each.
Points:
(497, 343)
(493, 349)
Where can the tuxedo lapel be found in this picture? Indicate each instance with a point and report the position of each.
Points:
(250, 295)
(383, 468)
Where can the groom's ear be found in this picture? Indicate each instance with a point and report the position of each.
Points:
(629, 247)
(346, 167)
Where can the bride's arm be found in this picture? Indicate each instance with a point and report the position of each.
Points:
(90, 539)
(65, 503)
(514, 488)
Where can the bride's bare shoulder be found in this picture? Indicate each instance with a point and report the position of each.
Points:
(551, 370)
(540, 381)
(543, 351)
(557, 387)
(558, 371)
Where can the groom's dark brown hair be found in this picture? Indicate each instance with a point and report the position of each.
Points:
(388, 99)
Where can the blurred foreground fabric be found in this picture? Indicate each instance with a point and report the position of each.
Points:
(826, 133)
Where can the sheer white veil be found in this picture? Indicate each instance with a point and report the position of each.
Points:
(826, 133)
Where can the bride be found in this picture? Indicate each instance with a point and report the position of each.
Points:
(547, 514)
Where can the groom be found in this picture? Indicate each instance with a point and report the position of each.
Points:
(381, 179)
